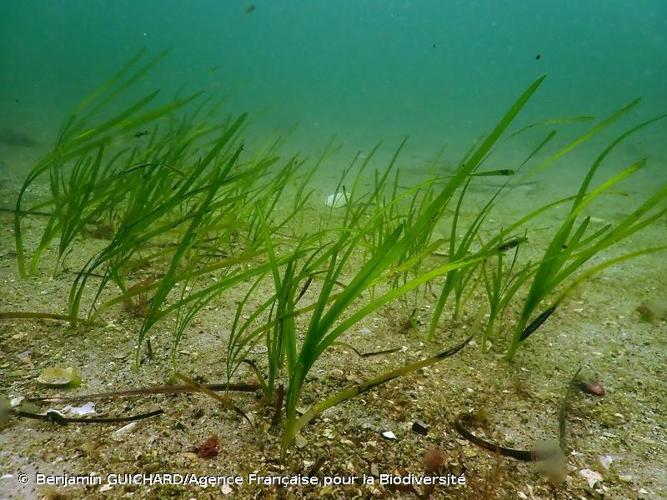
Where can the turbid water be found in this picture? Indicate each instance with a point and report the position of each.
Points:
(369, 323)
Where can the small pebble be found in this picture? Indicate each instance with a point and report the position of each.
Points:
(593, 388)
(226, 489)
(300, 441)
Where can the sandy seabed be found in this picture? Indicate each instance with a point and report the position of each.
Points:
(620, 436)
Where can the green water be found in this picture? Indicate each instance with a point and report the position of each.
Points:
(203, 246)
(441, 72)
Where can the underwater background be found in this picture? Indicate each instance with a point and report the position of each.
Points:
(440, 72)
(147, 242)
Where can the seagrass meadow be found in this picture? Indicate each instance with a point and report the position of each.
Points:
(200, 300)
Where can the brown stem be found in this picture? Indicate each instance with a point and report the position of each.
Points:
(158, 389)
(39, 315)
(524, 455)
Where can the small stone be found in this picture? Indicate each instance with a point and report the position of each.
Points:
(300, 441)
(420, 427)
(226, 489)
(24, 357)
(593, 388)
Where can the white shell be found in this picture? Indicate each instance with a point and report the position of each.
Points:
(87, 409)
(119, 434)
(336, 200)
(590, 476)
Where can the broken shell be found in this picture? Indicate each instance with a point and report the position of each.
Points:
(336, 200)
(590, 476)
(120, 434)
(79, 411)
(605, 461)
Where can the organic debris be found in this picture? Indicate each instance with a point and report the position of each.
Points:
(434, 459)
(209, 448)
(653, 310)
